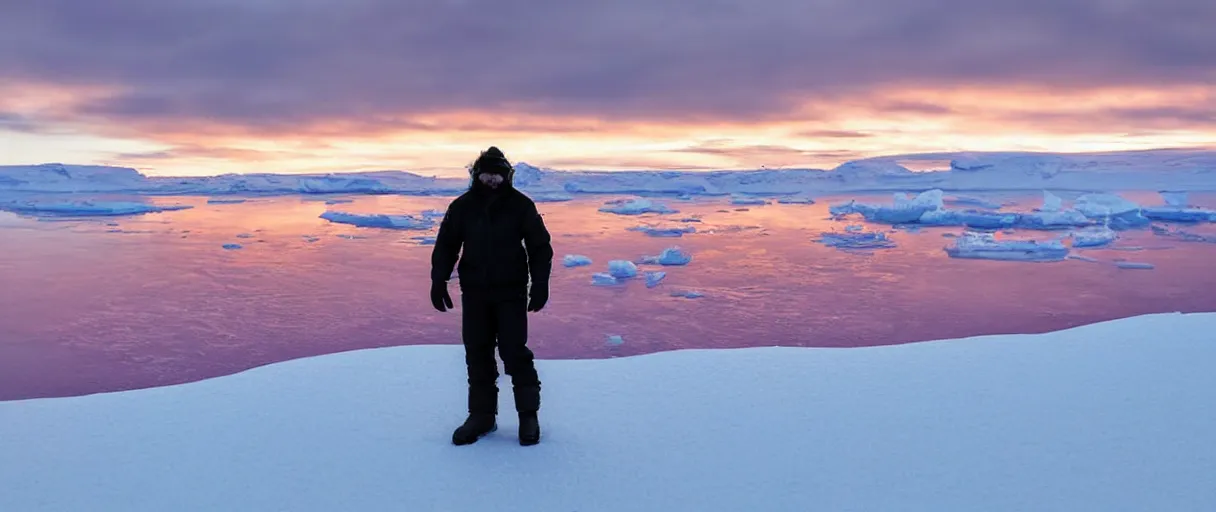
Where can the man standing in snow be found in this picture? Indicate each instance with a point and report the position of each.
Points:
(489, 222)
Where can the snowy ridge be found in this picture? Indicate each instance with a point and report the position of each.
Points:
(950, 425)
(1175, 170)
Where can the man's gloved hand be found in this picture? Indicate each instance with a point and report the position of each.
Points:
(539, 296)
(439, 296)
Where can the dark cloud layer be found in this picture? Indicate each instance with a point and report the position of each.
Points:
(278, 63)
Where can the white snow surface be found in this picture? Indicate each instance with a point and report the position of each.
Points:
(1174, 170)
(1111, 416)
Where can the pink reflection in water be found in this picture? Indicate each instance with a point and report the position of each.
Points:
(84, 310)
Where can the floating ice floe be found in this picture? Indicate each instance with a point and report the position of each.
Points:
(1183, 235)
(1051, 202)
(614, 340)
(604, 279)
(1079, 257)
(687, 294)
(1114, 211)
(671, 256)
(423, 240)
(1093, 237)
(664, 232)
(856, 239)
(1134, 265)
(231, 247)
(970, 218)
(796, 200)
(575, 260)
(985, 246)
(742, 199)
(87, 208)
(338, 201)
(975, 202)
(550, 197)
(225, 201)
(380, 220)
(635, 207)
(653, 278)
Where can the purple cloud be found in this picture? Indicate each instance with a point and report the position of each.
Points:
(278, 63)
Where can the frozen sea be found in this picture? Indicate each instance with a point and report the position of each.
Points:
(105, 304)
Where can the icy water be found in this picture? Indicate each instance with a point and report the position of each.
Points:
(88, 307)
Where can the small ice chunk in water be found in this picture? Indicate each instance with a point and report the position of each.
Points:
(1050, 220)
(231, 247)
(1134, 265)
(985, 246)
(225, 201)
(424, 240)
(1117, 212)
(854, 228)
(575, 260)
(244, 235)
(622, 269)
(664, 232)
(796, 200)
(671, 256)
(615, 340)
(1093, 237)
(654, 278)
(1078, 257)
(338, 201)
(687, 294)
(903, 211)
(1183, 235)
(603, 279)
(635, 207)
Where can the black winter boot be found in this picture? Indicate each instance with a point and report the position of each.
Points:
(475, 427)
(529, 429)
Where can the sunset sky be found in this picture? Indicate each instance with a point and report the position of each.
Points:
(193, 87)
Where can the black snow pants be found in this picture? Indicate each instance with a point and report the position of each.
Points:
(489, 321)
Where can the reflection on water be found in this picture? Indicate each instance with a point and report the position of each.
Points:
(154, 300)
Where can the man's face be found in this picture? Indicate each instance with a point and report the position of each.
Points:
(490, 179)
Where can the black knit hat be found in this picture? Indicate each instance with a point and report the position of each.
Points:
(492, 161)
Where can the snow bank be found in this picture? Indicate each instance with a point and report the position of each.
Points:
(575, 260)
(985, 246)
(380, 221)
(949, 425)
(85, 208)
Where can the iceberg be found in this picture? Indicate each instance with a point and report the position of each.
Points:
(1116, 212)
(1093, 237)
(635, 207)
(575, 260)
(671, 256)
(380, 220)
(622, 269)
(1051, 202)
(902, 211)
(1175, 199)
(975, 245)
(86, 208)
(856, 240)
(653, 278)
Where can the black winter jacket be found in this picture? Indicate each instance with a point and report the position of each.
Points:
(504, 242)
